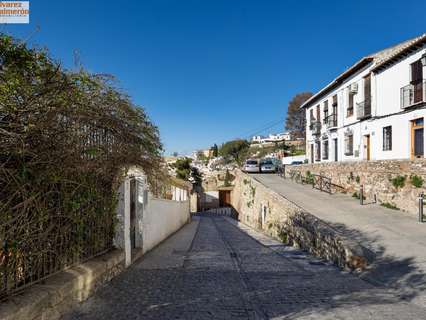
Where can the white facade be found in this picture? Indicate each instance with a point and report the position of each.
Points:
(385, 123)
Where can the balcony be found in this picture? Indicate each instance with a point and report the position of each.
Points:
(331, 121)
(363, 109)
(413, 94)
(315, 127)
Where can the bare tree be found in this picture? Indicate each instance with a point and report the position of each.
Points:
(295, 121)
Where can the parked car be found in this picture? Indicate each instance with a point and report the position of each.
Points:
(268, 165)
(251, 165)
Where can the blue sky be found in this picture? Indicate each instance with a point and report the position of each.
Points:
(207, 71)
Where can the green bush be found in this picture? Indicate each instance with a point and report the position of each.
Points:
(309, 177)
(416, 181)
(357, 179)
(398, 181)
(65, 138)
(389, 205)
(357, 196)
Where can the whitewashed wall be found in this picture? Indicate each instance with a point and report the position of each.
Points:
(154, 220)
(386, 111)
(289, 160)
(162, 218)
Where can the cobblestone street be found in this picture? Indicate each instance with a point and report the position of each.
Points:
(232, 272)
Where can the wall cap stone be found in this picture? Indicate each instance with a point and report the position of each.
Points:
(357, 257)
(52, 297)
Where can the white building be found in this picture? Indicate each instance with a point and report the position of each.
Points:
(374, 110)
(286, 136)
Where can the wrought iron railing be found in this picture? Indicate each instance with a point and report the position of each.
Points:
(24, 261)
(317, 181)
(363, 109)
(331, 121)
(413, 94)
(315, 127)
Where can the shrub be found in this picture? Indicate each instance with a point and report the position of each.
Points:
(416, 181)
(65, 139)
(309, 177)
(283, 236)
(389, 205)
(398, 181)
(356, 195)
(357, 179)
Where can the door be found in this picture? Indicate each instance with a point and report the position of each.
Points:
(417, 138)
(367, 147)
(312, 153)
(224, 198)
(335, 150)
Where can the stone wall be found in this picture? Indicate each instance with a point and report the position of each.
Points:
(378, 178)
(264, 209)
(55, 296)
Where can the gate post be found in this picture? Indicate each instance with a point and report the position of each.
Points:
(127, 241)
(361, 195)
(421, 198)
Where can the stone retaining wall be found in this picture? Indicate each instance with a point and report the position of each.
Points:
(266, 210)
(56, 295)
(377, 177)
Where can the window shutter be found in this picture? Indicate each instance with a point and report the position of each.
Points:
(416, 72)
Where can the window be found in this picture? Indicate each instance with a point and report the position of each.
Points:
(325, 111)
(417, 81)
(311, 115)
(335, 105)
(387, 138)
(325, 149)
(350, 110)
(318, 113)
(349, 144)
(416, 72)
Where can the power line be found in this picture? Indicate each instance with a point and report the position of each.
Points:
(267, 127)
(273, 122)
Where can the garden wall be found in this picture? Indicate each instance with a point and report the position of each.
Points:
(395, 183)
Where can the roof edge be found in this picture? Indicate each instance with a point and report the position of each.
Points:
(338, 81)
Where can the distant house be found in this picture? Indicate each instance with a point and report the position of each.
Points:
(373, 110)
(199, 154)
(272, 138)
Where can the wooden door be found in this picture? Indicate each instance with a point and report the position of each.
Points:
(417, 138)
(367, 147)
(224, 198)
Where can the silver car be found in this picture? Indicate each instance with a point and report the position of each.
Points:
(251, 166)
(268, 165)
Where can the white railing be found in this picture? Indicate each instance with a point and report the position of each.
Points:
(225, 211)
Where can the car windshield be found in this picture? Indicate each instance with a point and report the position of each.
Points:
(267, 162)
(251, 162)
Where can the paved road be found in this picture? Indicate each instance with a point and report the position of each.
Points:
(396, 237)
(230, 271)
